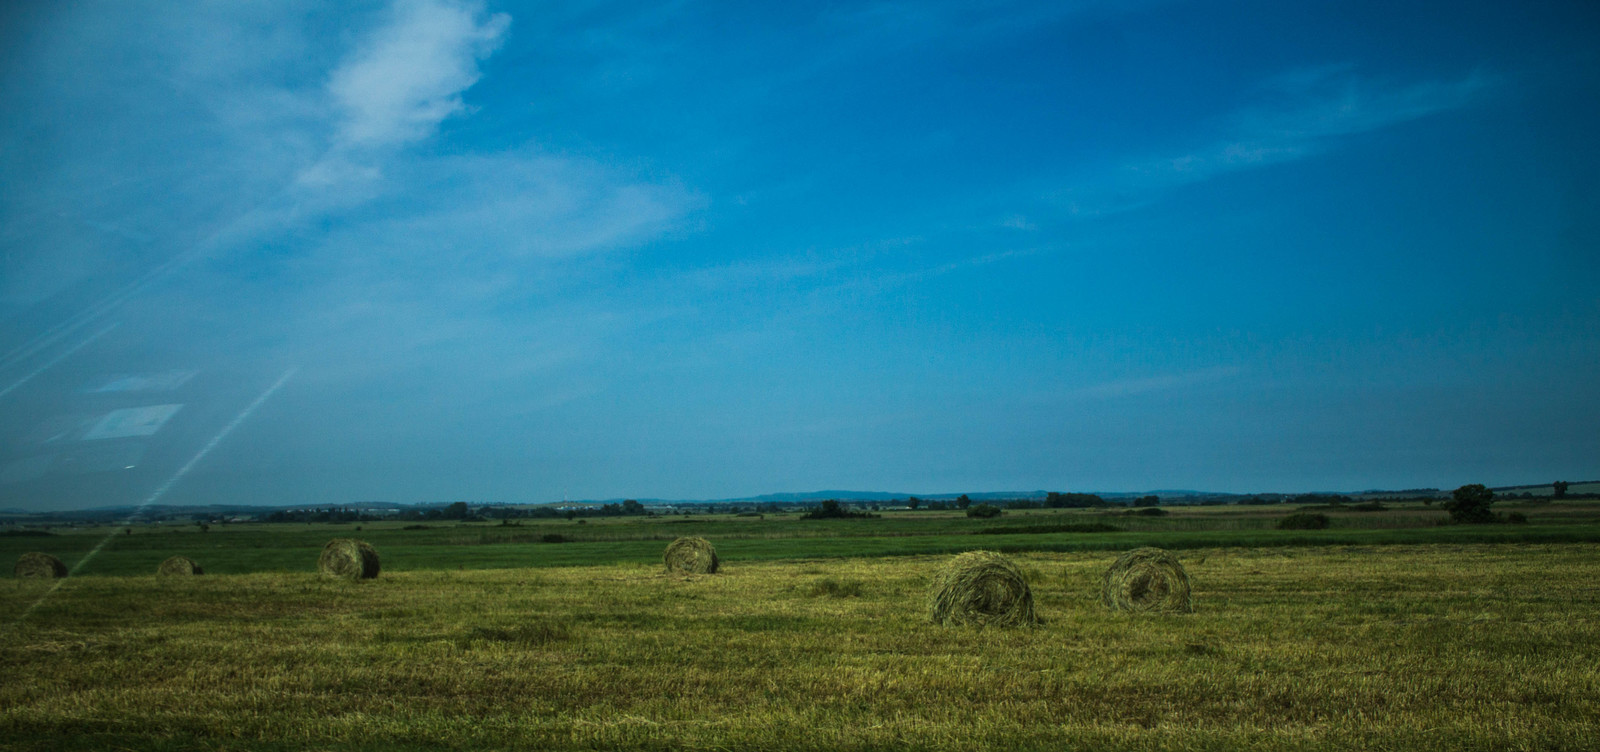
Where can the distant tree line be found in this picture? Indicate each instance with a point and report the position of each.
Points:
(329, 514)
(628, 508)
(831, 509)
(1058, 500)
(1471, 510)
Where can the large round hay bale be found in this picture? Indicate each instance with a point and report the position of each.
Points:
(349, 559)
(179, 565)
(691, 556)
(35, 564)
(1147, 579)
(981, 588)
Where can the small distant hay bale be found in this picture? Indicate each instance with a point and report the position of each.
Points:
(981, 588)
(1147, 580)
(348, 559)
(37, 565)
(691, 556)
(179, 565)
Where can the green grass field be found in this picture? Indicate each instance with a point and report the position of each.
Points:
(1372, 637)
(246, 548)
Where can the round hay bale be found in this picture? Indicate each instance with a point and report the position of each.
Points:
(348, 559)
(981, 588)
(44, 566)
(691, 556)
(179, 565)
(1147, 579)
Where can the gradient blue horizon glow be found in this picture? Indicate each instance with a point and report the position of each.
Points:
(526, 251)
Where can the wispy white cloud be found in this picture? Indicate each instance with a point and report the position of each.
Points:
(973, 262)
(1304, 113)
(394, 88)
(476, 254)
(1132, 387)
(155, 116)
(275, 141)
(758, 273)
(1296, 115)
(409, 74)
(520, 204)
(481, 256)
(1017, 222)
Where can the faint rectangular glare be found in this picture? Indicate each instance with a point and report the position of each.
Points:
(132, 421)
(165, 381)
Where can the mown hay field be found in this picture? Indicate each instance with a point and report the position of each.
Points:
(1436, 647)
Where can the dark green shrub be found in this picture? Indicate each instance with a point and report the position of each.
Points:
(1517, 518)
(1304, 521)
(552, 538)
(1469, 504)
(984, 511)
(1149, 512)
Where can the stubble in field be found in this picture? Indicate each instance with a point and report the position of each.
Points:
(1439, 647)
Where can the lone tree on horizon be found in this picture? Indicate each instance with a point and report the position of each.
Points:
(1470, 504)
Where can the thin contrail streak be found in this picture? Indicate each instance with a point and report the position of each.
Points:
(77, 321)
(55, 360)
(73, 323)
(163, 488)
(215, 440)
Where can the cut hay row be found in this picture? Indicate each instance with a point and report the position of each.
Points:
(981, 588)
(1147, 580)
(179, 565)
(349, 559)
(38, 565)
(691, 556)
(978, 588)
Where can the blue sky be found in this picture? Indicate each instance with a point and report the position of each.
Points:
(516, 252)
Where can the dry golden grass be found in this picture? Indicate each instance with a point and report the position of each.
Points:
(1429, 648)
